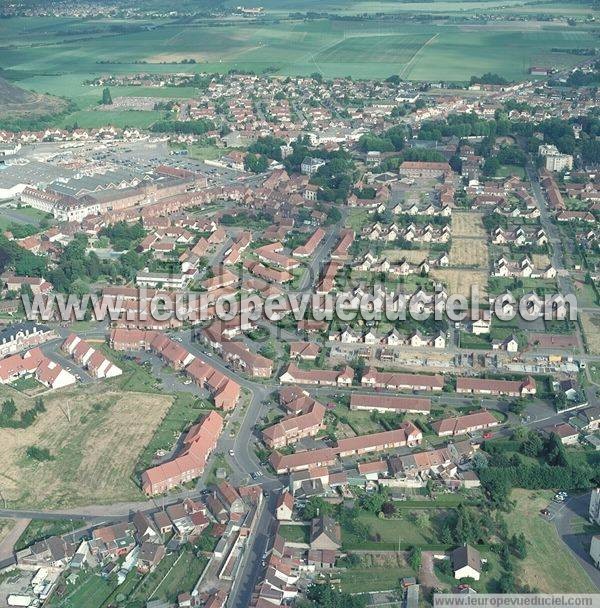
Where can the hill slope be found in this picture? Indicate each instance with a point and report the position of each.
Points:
(17, 103)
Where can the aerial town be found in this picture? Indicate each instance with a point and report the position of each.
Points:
(295, 335)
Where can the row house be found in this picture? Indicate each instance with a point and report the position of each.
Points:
(400, 381)
(488, 386)
(309, 248)
(188, 464)
(292, 428)
(35, 363)
(469, 423)
(524, 268)
(302, 461)
(93, 360)
(389, 403)
(415, 208)
(294, 375)
(407, 435)
(241, 357)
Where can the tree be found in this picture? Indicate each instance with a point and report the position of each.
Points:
(256, 163)
(388, 509)
(106, 97)
(533, 445)
(518, 545)
(414, 558)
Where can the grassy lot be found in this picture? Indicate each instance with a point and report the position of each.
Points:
(28, 385)
(509, 170)
(6, 525)
(295, 534)
(92, 435)
(549, 566)
(468, 340)
(40, 530)
(92, 119)
(375, 573)
(406, 529)
(360, 422)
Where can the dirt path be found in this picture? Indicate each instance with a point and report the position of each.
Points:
(427, 577)
(8, 542)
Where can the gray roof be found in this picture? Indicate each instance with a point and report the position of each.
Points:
(466, 556)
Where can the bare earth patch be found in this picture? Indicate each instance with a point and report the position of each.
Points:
(540, 260)
(468, 224)
(460, 281)
(94, 439)
(591, 329)
(469, 252)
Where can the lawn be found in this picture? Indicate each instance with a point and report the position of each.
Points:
(176, 573)
(89, 591)
(549, 566)
(42, 529)
(295, 534)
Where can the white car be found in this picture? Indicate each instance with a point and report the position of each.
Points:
(231, 453)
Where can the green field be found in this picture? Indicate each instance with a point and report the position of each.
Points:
(42, 57)
(549, 565)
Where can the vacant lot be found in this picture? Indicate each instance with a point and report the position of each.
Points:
(540, 260)
(94, 440)
(468, 224)
(591, 330)
(549, 566)
(460, 281)
(413, 256)
(407, 528)
(376, 572)
(469, 252)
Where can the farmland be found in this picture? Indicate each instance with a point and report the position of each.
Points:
(90, 436)
(42, 58)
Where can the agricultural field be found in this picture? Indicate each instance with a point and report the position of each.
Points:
(469, 252)
(352, 7)
(468, 224)
(94, 441)
(590, 323)
(39, 56)
(549, 566)
(460, 281)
